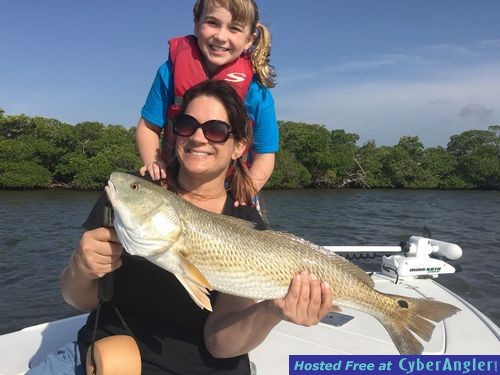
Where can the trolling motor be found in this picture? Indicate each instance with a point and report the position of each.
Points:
(422, 257)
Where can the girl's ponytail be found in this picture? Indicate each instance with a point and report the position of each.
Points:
(260, 55)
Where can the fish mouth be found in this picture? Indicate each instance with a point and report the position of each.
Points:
(110, 190)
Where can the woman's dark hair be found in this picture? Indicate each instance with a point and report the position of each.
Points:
(241, 186)
(227, 95)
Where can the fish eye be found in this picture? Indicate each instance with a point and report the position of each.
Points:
(135, 186)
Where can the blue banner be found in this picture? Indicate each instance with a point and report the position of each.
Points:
(394, 364)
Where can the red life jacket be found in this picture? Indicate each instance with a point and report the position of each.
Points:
(188, 70)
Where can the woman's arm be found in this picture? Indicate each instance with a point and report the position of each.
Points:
(97, 253)
(238, 325)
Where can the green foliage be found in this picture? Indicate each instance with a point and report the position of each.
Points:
(23, 175)
(494, 129)
(15, 150)
(88, 137)
(289, 173)
(482, 168)
(94, 173)
(12, 127)
(403, 164)
(344, 151)
(333, 159)
(477, 154)
(41, 152)
(371, 158)
(37, 152)
(311, 146)
(55, 132)
(438, 168)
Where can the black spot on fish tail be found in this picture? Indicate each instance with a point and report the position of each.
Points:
(403, 304)
(412, 320)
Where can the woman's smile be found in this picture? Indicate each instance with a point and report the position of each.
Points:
(198, 153)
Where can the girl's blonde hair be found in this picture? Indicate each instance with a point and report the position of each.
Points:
(247, 12)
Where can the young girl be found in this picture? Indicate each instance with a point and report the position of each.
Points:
(231, 45)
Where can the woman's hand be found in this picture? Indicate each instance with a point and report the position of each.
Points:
(157, 170)
(98, 253)
(308, 300)
(238, 325)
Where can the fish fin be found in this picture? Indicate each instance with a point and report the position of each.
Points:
(426, 308)
(433, 310)
(197, 293)
(414, 318)
(194, 273)
(405, 341)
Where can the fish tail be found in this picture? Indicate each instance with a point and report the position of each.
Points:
(414, 317)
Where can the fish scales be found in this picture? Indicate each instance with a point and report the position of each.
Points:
(236, 256)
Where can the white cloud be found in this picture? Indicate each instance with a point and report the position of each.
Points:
(386, 109)
(427, 60)
(448, 50)
(377, 62)
(491, 43)
(476, 112)
(295, 76)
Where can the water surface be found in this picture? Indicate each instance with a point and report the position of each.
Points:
(40, 229)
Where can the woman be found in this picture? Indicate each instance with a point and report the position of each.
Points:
(173, 334)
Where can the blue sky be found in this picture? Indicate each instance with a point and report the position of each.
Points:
(381, 69)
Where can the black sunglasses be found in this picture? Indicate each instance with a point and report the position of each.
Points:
(214, 130)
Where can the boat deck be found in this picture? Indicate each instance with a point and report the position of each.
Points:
(354, 332)
(348, 332)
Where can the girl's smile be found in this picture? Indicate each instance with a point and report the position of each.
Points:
(221, 40)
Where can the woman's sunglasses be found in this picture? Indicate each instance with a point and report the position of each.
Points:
(214, 130)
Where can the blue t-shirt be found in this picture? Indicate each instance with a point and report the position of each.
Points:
(259, 104)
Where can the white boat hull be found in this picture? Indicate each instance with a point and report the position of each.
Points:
(468, 332)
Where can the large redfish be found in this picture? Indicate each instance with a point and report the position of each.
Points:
(208, 251)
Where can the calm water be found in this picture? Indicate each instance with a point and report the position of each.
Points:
(39, 230)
